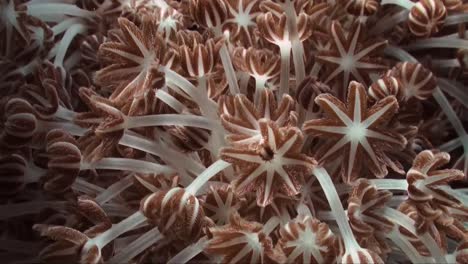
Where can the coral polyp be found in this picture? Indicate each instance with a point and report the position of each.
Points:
(233, 131)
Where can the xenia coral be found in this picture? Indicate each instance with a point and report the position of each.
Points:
(233, 131)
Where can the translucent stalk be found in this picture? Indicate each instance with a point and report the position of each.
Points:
(442, 42)
(259, 87)
(114, 190)
(187, 87)
(115, 231)
(244, 82)
(40, 10)
(118, 210)
(65, 114)
(136, 247)
(337, 208)
(206, 175)
(28, 68)
(456, 123)
(328, 215)
(407, 248)
(176, 159)
(65, 42)
(390, 184)
(180, 81)
(456, 19)
(34, 173)
(229, 69)
(227, 64)
(389, 22)
(169, 120)
(457, 92)
(82, 186)
(451, 115)
(400, 54)
(316, 69)
(45, 126)
(124, 164)
(64, 25)
(170, 100)
(403, 220)
(297, 48)
(206, 110)
(285, 51)
(445, 63)
(407, 4)
(270, 225)
(72, 60)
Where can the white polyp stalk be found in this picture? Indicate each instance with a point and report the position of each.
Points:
(285, 51)
(400, 54)
(328, 215)
(28, 68)
(82, 186)
(456, 19)
(116, 230)
(12, 210)
(442, 42)
(119, 210)
(72, 60)
(396, 200)
(65, 114)
(177, 79)
(390, 184)
(451, 115)
(403, 220)
(337, 208)
(315, 69)
(207, 109)
(229, 69)
(303, 210)
(407, 248)
(169, 155)
(125, 164)
(41, 10)
(137, 246)
(190, 252)
(457, 92)
(259, 87)
(170, 100)
(407, 4)
(459, 195)
(244, 82)
(169, 120)
(34, 173)
(67, 38)
(160, 3)
(181, 82)
(445, 63)
(206, 175)
(114, 190)
(450, 145)
(65, 24)
(389, 22)
(270, 225)
(227, 64)
(45, 126)
(297, 47)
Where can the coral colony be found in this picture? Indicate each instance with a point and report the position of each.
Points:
(234, 131)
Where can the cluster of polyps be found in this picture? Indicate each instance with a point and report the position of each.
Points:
(233, 131)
